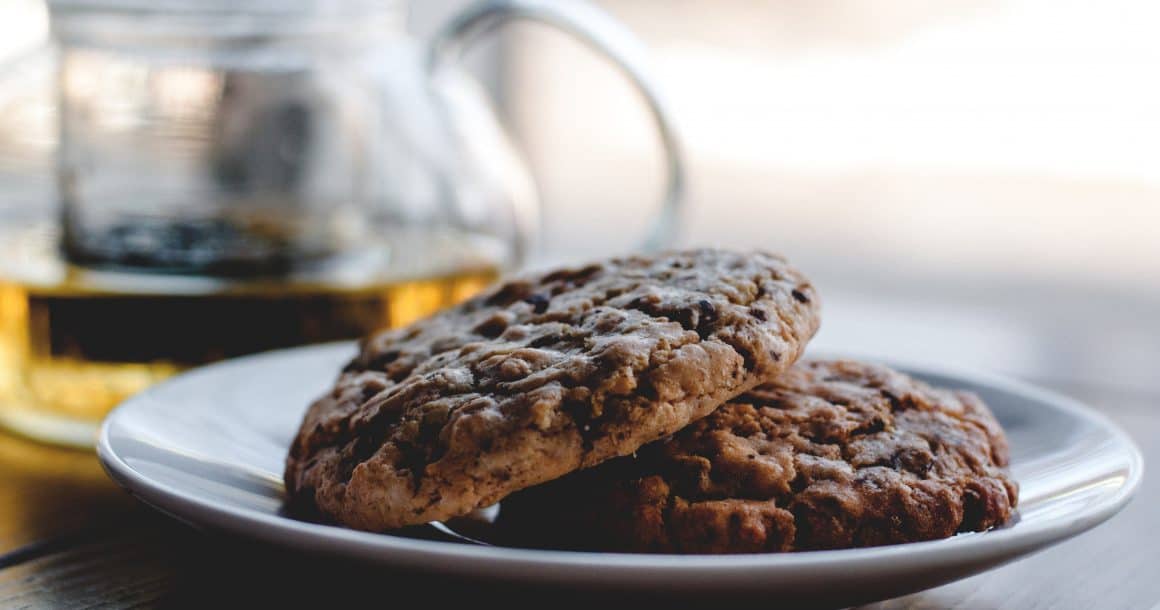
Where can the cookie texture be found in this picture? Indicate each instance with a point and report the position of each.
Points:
(539, 376)
(833, 454)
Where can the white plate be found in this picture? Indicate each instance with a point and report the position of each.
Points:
(207, 447)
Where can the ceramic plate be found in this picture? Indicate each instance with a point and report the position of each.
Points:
(207, 447)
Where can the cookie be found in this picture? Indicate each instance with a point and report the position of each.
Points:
(540, 376)
(833, 454)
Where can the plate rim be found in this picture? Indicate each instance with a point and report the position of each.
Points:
(385, 548)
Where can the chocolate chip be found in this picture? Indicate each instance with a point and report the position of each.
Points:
(507, 294)
(800, 296)
(575, 277)
(491, 327)
(708, 311)
(747, 356)
(539, 302)
(759, 314)
(385, 358)
(546, 340)
(875, 425)
(645, 304)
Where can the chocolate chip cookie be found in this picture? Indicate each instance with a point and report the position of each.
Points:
(543, 375)
(833, 454)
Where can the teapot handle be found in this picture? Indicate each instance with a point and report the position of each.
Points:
(602, 33)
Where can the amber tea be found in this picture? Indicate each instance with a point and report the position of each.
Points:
(70, 350)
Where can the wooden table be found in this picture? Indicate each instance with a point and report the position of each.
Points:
(70, 538)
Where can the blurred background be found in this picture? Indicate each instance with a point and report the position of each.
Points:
(975, 183)
(970, 183)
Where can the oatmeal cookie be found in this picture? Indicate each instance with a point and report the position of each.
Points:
(833, 454)
(542, 375)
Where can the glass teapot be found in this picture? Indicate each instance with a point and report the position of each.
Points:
(239, 138)
(234, 176)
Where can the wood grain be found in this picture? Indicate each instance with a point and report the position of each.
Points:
(47, 493)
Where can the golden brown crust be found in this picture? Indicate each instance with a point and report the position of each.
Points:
(834, 454)
(541, 376)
